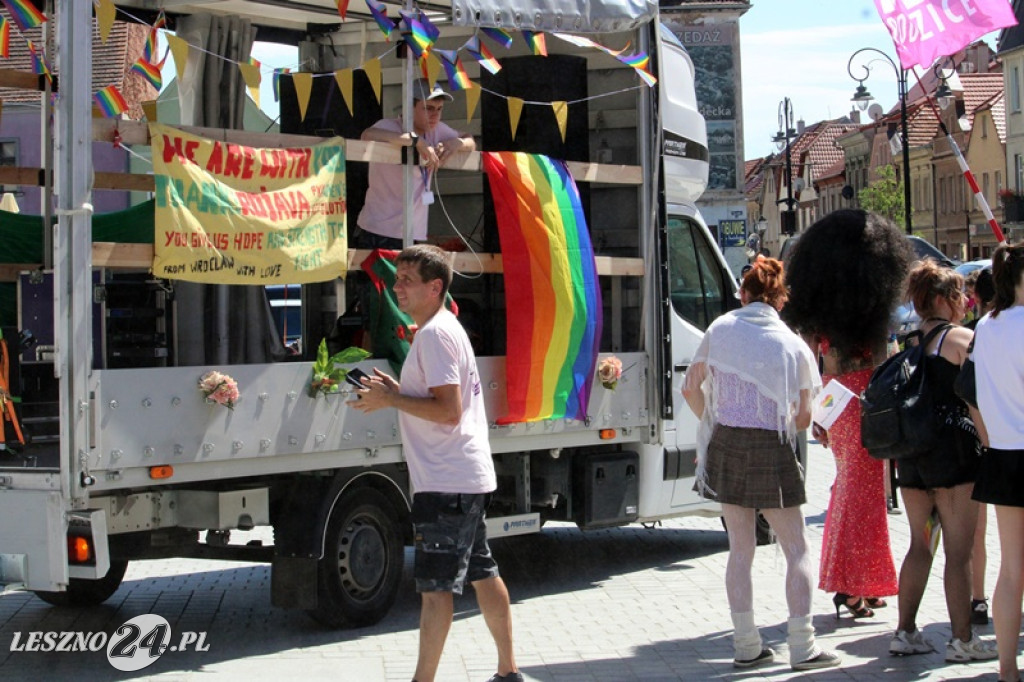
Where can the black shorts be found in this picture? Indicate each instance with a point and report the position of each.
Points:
(451, 541)
(1000, 478)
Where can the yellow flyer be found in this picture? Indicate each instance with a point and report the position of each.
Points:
(230, 214)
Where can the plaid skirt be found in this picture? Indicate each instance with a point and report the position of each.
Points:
(752, 468)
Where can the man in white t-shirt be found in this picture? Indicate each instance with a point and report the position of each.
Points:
(380, 221)
(445, 436)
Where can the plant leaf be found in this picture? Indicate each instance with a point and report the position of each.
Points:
(350, 355)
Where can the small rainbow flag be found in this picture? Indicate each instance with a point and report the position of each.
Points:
(342, 8)
(537, 43)
(5, 38)
(480, 53)
(639, 61)
(24, 13)
(110, 101)
(161, 21)
(418, 40)
(554, 329)
(458, 79)
(148, 71)
(379, 12)
(433, 31)
(498, 35)
(39, 65)
(276, 81)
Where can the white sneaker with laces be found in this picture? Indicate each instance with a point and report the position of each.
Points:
(975, 649)
(906, 643)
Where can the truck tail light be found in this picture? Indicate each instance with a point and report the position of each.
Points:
(80, 550)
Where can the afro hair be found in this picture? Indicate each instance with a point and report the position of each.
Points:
(845, 280)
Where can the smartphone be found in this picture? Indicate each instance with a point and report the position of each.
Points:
(355, 377)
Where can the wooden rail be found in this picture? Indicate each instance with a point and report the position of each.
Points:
(140, 257)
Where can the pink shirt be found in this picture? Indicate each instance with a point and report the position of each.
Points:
(382, 212)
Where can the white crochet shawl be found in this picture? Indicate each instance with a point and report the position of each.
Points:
(754, 344)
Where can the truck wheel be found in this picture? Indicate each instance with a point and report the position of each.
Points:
(762, 530)
(85, 592)
(358, 577)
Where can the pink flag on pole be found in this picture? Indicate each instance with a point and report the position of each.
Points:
(924, 30)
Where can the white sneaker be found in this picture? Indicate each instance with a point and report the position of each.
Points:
(909, 643)
(975, 649)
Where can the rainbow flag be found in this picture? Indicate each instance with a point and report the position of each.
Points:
(24, 13)
(458, 79)
(480, 53)
(5, 38)
(148, 71)
(498, 35)
(639, 61)
(342, 6)
(418, 39)
(554, 328)
(538, 44)
(276, 82)
(379, 12)
(110, 101)
(39, 65)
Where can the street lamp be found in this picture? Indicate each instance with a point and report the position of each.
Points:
(782, 140)
(862, 98)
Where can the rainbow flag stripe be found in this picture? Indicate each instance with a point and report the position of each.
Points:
(150, 72)
(24, 13)
(5, 38)
(110, 101)
(554, 328)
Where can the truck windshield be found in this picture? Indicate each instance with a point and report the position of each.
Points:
(698, 284)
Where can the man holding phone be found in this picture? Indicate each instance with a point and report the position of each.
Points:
(445, 437)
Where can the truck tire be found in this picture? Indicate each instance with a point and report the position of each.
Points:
(762, 530)
(359, 574)
(84, 592)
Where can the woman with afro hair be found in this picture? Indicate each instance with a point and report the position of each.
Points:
(846, 277)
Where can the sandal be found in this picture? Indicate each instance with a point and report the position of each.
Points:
(875, 602)
(857, 609)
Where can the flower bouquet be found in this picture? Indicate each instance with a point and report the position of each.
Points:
(219, 388)
(326, 374)
(609, 371)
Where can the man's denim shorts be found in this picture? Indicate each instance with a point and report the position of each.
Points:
(451, 541)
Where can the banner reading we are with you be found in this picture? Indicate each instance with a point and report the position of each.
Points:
(230, 214)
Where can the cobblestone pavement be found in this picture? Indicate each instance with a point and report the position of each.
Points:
(626, 604)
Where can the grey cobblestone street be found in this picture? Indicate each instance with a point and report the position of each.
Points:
(629, 604)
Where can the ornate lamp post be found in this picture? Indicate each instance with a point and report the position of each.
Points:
(782, 139)
(863, 98)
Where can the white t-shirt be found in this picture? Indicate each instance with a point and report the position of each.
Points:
(999, 374)
(382, 212)
(443, 458)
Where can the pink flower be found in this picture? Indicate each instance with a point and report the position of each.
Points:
(609, 371)
(219, 388)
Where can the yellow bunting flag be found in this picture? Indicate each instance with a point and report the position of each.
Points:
(374, 75)
(515, 110)
(432, 67)
(105, 13)
(252, 77)
(561, 108)
(472, 99)
(149, 109)
(179, 49)
(303, 82)
(344, 78)
(230, 214)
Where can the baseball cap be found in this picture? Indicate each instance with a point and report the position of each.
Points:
(421, 90)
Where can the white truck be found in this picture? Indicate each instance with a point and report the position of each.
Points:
(141, 468)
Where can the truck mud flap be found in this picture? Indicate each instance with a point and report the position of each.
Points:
(33, 550)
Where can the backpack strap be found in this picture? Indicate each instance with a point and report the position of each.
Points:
(939, 328)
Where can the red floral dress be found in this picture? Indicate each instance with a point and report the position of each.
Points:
(856, 557)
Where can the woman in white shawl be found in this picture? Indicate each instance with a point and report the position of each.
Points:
(751, 382)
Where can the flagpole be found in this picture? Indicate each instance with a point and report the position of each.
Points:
(979, 196)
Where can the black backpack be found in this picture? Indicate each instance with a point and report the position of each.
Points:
(898, 419)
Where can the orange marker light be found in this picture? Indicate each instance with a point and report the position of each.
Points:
(606, 434)
(162, 471)
(79, 550)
